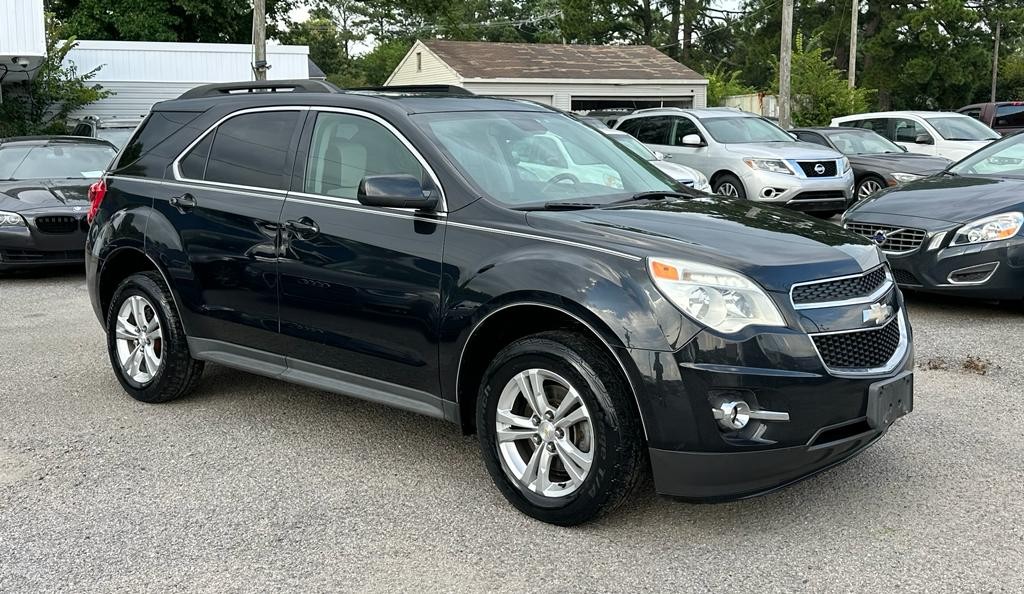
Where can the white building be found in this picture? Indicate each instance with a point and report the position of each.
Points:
(22, 40)
(576, 77)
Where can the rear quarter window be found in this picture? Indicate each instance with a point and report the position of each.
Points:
(1009, 116)
(154, 130)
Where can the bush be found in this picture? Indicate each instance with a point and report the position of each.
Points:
(818, 88)
(722, 84)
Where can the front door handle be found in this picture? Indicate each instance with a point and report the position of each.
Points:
(183, 203)
(303, 228)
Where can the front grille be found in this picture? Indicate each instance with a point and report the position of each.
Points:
(862, 349)
(841, 289)
(821, 195)
(904, 277)
(892, 240)
(57, 224)
(41, 256)
(818, 168)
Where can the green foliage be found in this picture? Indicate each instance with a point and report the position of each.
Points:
(1011, 78)
(819, 89)
(42, 105)
(722, 84)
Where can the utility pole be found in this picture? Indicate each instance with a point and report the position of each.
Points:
(785, 60)
(259, 39)
(851, 73)
(995, 64)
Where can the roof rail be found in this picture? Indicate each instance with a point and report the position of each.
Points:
(425, 89)
(658, 109)
(260, 86)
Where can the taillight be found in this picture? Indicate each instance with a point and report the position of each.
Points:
(96, 193)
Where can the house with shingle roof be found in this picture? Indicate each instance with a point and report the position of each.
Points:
(572, 77)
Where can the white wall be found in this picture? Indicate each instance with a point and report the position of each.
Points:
(22, 35)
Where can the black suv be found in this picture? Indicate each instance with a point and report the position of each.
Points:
(585, 323)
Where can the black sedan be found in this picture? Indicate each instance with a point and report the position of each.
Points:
(44, 185)
(877, 162)
(958, 232)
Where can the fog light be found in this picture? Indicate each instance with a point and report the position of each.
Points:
(735, 414)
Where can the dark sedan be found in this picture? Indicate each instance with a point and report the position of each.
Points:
(44, 185)
(959, 232)
(877, 162)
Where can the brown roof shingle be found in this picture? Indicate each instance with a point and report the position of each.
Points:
(480, 59)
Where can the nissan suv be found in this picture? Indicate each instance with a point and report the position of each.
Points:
(746, 156)
(391, 247)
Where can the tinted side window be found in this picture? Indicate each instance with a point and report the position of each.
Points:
(345, 148)
(82, 130)
(154, 130)
(684, 126)
(654, 130)
(1009, 115)
(878, 125)
(907, 130)
(193, 166)
(251, 149)
(812, 137)
(973, 112)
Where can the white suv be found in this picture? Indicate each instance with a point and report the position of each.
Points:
(746, 156)
(940, 133)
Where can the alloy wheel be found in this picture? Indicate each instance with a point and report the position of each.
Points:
(139, 339)
(544, 432)
(867, 188)
(727, 189)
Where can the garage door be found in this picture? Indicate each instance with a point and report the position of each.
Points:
(545, 99)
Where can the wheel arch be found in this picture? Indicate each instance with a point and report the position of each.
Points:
(718, 175)
(122, 263)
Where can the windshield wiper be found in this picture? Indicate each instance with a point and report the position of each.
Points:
(651, 195)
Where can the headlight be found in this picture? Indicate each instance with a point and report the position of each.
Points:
(770, 165)
(994, 228)
(905, 177)
(715, 297)
(846, 164)
(700, 182)
(11, 219)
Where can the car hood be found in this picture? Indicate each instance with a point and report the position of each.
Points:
(958, 149)
(783, 150)
(676, 171)
(23, 195)
(773, 246)
(901, 163)
(959, 199)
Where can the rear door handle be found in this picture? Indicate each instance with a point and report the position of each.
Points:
(303, 228)
(183, 203)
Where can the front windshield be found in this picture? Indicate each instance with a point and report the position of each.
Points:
(1002, 159)
(115, 136)
(55, 161)
(521, 158)
(630, 142)
(862, 143)
(738, 130)
(962, 128)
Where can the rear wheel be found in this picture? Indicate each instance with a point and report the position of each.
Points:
(558, 429)
(146, 342)
(730, 185)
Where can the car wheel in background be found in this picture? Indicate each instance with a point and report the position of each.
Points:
(868, 186)
(730, 185)
(558, 429)
(146, 342)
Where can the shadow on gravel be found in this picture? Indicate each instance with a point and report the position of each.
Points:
(961, 304)
(46, 273)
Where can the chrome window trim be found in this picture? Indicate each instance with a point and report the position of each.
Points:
(409, 212)
(548, 239)
(888, 367)
(176, 164)
(436, 217)
(258, 192)
(874, 296)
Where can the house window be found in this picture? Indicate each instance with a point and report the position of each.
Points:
(419, 61)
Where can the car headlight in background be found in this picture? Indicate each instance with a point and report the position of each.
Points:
(11, 219)
(769, 165)
(846, 165)
(994, 228)
(718, 298)
(902, 178)
(700, 182)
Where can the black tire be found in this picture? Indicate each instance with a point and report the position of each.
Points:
(863, 182)
(619, 454)
(728, 178)
(178, 373)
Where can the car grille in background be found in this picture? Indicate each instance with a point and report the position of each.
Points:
(40, 256)
(57, 224)
(862, 349)
(904, 277)
(828, 168)
(892, 240)
(821, 195)
(840, 289)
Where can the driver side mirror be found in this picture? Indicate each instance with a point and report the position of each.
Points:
(692, 140)
(396, 191)
(923, 139)
(659, 155)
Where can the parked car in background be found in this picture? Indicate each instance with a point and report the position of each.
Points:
(44, 185)
(1005, 117)
(746, 156)
(937, 133)
(385, 246)
(956, 233)
(115, 130)
(877, 162)
(610, 116)
(688, 176)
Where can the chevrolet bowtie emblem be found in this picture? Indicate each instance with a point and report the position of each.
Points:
(878, 313)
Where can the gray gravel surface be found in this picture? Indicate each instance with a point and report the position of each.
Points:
(254, 485)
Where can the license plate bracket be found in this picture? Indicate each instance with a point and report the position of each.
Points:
(890, 400)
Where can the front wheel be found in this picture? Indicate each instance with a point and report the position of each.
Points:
(558, 428)
(731, 186)
(868, 186)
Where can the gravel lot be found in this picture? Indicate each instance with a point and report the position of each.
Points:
(253, 484)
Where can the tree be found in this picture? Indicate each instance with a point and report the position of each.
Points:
(723, 83)
(820, 90)
(43, 104)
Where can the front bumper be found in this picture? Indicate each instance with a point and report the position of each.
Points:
(30, 247)
(801, 193)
